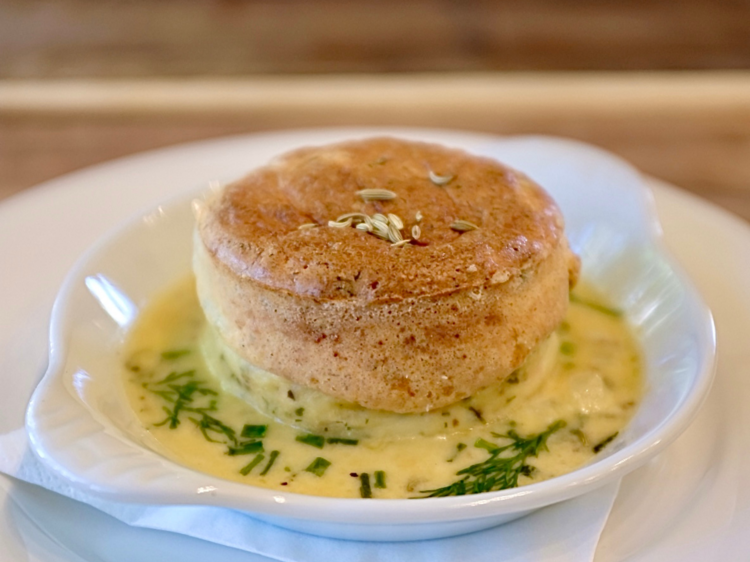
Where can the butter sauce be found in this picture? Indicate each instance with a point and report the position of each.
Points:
(586, 376)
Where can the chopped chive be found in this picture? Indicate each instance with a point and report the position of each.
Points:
(246, 448)
(596, 306)
(379, 479)
(318, 466)
(255, 462)
(254, 431)
(271, 460)
(174, 354)
(342, 441)
(312, 440)
(364, 489)
(299, 412)
(599, 446)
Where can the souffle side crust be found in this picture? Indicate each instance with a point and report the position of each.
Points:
(404, 327)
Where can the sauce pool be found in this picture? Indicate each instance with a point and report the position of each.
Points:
(552, 416)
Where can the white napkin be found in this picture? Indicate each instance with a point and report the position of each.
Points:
(566, 532)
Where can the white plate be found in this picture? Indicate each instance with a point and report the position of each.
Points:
(85, 433)
(695, 484)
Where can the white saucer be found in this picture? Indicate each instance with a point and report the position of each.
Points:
(692, 503)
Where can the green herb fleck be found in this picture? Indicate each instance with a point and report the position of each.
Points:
(477, 413)
(460, 447)
(364, 489)
(567, 348)
(312, 440)
(174, 354)
(489, 447)
(254, 431)
(209, 423)
(580, 434)
(498, 472)
(342, 441)
(596, 306)
(599, 446)
(247, 448)
(188, 396)
(318, 466)
(181, 396)
(271, 460)
(253, 463)
(299, 411)
(380, 479)
(513, 378)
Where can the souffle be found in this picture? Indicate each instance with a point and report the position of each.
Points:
(390, 274)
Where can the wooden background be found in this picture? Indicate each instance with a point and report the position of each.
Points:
(666, 85)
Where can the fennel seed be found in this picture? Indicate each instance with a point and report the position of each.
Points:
(396, 220)
(336, 224)
(439, 180)
(463, 226)
(376, 194)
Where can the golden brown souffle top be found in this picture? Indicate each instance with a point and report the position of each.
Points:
(254, 226)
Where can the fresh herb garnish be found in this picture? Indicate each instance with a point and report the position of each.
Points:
(182, 396)
(477, 413)
(500, 471)
(188, 396)
(254, 431)
(596, 306)
(246, 448)
(599, 446)
(174, 354)
(459, 447)
(253, 463)
(209, 423)
(342, 441)
(580, 434)
(567, 348)
(271, 460)
(312, 440)
(364, 485)
(318, 466)
(379, 479)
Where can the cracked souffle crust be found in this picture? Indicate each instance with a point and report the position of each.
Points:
(346, 312)
(252, 226)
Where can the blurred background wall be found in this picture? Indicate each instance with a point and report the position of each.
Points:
(664, 84)
(81, 38)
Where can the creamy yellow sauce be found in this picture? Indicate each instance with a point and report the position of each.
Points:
(587, 376)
